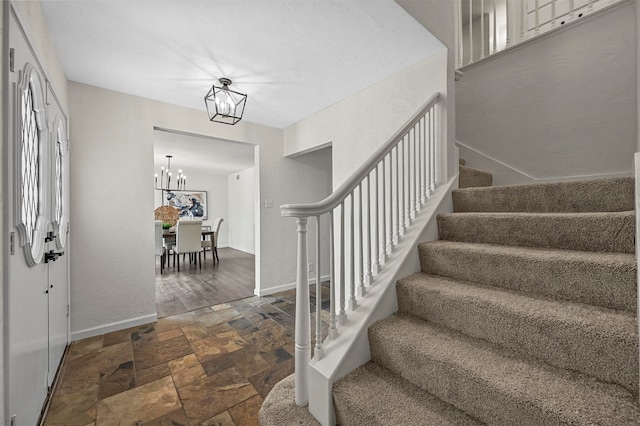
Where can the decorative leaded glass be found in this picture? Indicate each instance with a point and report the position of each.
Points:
(30, 164)
(58, 181)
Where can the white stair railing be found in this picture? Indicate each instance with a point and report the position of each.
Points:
(485, 27)
(367, 216)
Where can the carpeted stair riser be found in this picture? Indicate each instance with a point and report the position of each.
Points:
(603, 195)
(372, 395)
(470, 177)
(490, 383)
(595, 341)
(600, 279)
(605, 232)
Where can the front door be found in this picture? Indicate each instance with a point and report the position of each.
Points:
(37, 177)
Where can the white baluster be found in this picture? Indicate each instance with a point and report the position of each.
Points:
(411, 186)
(524, 14)
(553, 13)
(376, 236)
(470, 31)
(405, 184)
(511, 24)
(389, 203)
(481, 29)
(333, 321)
(361, 260)
(368, 279)
(572, 10)
(396, 229)
(537, 16)
(342, 316)
(425, 155)
(303, 326)
(352, 273)
(432, 153)
(495, 28)
(383, 221)
(460, 37)
(402, 187)
(317, 353)
(409, 179)
(423, 197)
(416, 184)
(590, 7)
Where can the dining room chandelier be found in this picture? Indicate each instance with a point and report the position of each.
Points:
(223, 104)
(179, 181)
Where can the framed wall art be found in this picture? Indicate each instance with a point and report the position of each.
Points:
(190, 204)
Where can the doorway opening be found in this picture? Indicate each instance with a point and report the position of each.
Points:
(224, 176)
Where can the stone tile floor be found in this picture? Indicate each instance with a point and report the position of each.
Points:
(212, 366)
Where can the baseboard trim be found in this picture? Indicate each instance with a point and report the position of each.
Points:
(284, 287)
(114, 326)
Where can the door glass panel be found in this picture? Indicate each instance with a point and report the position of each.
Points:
(30, 165)
(58, 180)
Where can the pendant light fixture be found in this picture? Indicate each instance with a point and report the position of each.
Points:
(179, 181)
(223, 104)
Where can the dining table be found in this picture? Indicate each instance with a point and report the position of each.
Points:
(167, 233)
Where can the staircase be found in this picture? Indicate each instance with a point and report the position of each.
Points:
(524, 312)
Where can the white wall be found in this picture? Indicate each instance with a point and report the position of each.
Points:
(112, 283)
(240, 220)
(363, 122)
(319, 184)
(637, 6)
(439, 18)
(563, 106)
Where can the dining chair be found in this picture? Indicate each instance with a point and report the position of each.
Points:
(170, 215)
(160, 249)
(207, 243)
(216, 230)
(188, 234)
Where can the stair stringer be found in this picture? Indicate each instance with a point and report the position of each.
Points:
(350, 349)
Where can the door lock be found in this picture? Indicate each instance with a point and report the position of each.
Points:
(52, 256)
(50, 236)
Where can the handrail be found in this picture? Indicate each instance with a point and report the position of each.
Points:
(367, 217)
(335, 198)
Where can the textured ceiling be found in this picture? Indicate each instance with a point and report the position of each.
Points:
(292, 57)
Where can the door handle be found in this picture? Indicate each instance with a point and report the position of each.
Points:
(52, 256)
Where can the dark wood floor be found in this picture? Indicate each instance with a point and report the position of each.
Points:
(233, 278)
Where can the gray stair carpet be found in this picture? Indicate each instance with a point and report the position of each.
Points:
(523, 313)
(470, 177)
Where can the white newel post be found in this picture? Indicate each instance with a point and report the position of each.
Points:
(303, 323)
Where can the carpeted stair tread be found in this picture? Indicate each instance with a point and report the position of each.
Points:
(492, 384)
(279, 407)
(596, 341)
(591, 231)
(603, 195)
(600, 279)
(470, 177)
(373, 395)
